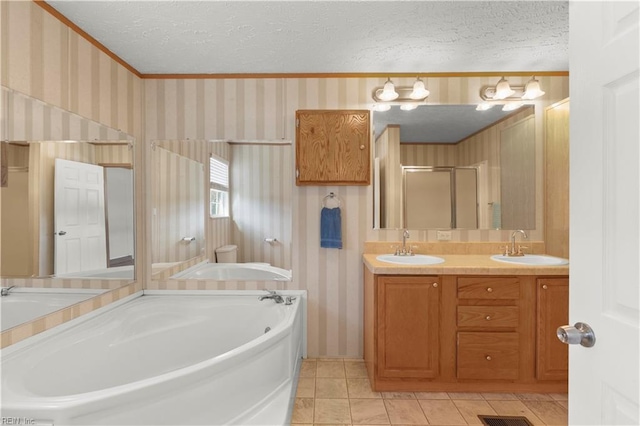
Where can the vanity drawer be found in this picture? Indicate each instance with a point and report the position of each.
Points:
(486, 355)
(488, 288)
(488, 316)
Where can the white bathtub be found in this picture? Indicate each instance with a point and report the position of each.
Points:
(22, 304)
(163, 360)
(235, 272)
(117, 272)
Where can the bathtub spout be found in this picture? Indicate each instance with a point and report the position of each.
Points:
(5, 291)
(272, 295)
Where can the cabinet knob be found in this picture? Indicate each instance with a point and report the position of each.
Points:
(489, 290)
(545, 287)
(435, 284)
(488, 317)
(361, 147)
(488, 357)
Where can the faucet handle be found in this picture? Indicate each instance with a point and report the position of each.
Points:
(520, 249)
(269, 291)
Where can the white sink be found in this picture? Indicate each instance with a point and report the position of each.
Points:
(531, 259)
(416, 259)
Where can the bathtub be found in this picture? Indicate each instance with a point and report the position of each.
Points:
(117, 272)
(235, 272)
(26, 304)
(163, 359)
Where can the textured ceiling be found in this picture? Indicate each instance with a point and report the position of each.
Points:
(255, 37)
(219, 37)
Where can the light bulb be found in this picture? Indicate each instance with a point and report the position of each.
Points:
(503, 90)
(408, 107)
(419, 91)
(532, 89)
(512, 106)
(381, 107)
(484, 106)
(388, 92)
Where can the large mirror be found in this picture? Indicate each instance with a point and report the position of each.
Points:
(454, 167)
(66, 208)
(221, 210)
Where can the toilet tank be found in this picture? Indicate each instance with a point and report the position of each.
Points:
(227, 254)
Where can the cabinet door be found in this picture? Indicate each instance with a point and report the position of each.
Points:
(552, 357)
(332, 147)
(408, 320)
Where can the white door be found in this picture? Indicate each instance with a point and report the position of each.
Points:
(80, 241)
(605, 231)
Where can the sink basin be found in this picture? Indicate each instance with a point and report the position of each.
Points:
(417, 259)
(531, 259)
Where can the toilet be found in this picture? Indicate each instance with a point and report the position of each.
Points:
(227, 254)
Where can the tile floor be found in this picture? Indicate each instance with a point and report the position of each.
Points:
(337, 392)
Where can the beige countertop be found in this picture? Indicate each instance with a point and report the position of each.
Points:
(461, 264)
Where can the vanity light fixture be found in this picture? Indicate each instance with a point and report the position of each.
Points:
(532, 89)
(503, 90)
(419, 91)
(400, 95)
(509, 96)
(388, 92)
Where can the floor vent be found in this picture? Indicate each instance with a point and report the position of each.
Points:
(504, 420)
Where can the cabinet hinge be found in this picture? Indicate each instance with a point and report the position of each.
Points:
(297, 122)
(297, 173)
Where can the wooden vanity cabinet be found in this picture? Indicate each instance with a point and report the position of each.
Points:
(333, 147)
(552, 311)
(492, 318)
(408, 314)
(464, 333)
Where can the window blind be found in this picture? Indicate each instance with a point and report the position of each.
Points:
(219, 173)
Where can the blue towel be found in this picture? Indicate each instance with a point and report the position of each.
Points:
(330, 228)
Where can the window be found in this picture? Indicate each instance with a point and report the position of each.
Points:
(218, 187)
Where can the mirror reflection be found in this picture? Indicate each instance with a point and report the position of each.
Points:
(242, 203)
(451, 166)
(67, 210)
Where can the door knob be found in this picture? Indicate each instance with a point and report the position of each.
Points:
(62, 233)
(579, 333)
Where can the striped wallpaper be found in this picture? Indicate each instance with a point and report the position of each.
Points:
(261, 189)
(45, 59)
(217, 230)
(264, 109)
(178, 206)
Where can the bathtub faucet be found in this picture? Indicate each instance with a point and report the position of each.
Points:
(5, 291)
(272, 295)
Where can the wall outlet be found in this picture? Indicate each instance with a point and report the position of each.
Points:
(443, 235)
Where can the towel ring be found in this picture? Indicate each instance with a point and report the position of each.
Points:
(330, 196)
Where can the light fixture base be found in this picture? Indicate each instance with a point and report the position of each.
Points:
(404, 95)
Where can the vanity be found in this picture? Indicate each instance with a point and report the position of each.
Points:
(468, 324)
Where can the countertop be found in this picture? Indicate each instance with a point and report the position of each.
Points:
(461, 264)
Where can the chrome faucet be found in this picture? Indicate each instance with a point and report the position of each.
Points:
(404, 251)
(272, 295)
(5, 291)
(517, 252)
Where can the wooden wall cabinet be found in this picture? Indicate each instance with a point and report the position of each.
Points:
(333, 147)
(464, 333)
